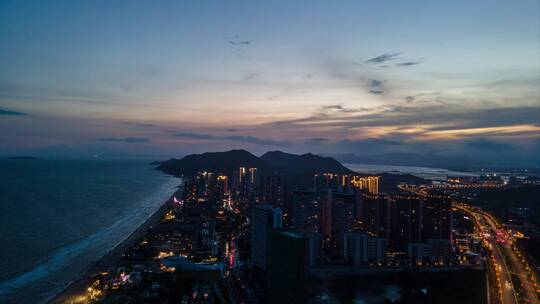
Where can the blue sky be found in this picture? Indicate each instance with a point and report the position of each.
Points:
(165, 78)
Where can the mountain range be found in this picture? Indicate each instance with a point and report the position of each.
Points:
(274, 161)
(296, 170)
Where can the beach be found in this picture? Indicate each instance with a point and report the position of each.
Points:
(76, 291)
(66, 215)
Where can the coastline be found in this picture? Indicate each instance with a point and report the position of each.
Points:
(75, 291)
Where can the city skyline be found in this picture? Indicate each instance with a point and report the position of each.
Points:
(168, 79)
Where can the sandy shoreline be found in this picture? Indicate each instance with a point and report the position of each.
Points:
(75, 292)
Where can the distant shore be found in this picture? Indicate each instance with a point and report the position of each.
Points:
(75, 292)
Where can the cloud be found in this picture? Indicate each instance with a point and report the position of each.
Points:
(236, 41)
(318, 139)
(407, 63)
(255, 140)
(251, 76)
(390, 57)
(237, 138)
(340, 109)
(375, 144)
(274, 97)
(71, 96)
(333, 107)
(130, 140)
(195, 135)
(382, 58)
(139, 124)
(409, 99)
(146, 125)
(371, 141)
(437, 116)
(422, 121)
(308, 76)
(375, 87)
(374, 83)
(287, 91)
(239, 42)
(12, 113)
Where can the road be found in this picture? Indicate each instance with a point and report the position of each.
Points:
(506, 259)
(517, 267)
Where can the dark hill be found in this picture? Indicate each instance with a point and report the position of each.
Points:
(222, 162)
(303, 164)
(292, 166)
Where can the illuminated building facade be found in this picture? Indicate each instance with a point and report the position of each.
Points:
(223, 184)
(369, 183)
(346, 182)
(242, 174)
(253, 176)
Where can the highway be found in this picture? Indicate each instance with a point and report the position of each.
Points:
(516, 266)
(506, 259)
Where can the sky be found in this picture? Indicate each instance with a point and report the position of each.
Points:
(163, 79)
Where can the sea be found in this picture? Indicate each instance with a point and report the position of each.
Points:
(57, 217)
(437, 174)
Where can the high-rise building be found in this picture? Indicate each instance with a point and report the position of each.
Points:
(369, 183)
(326, 181)
(345, 182)
(359, 248)
(409, 225)
(306, 211)
(287, 267)
(326, 213)
(437, 217)
(440, 250)
(344, 216)
(315, 249)
(416, 212)
(375, 215)
(242, 174)
(223, 184)
(437, 251)
(273, 190)
(355, 248)
(405, 221)
(418, 253)
(253, 176)
(437, 230)
(376, 250)
(263, 220)
(244, 183)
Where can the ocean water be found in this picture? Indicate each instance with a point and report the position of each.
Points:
(423, 172)
(59, 216)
